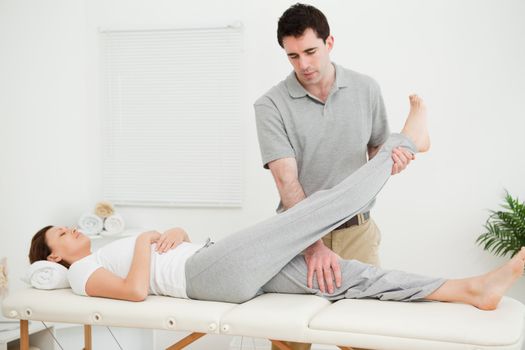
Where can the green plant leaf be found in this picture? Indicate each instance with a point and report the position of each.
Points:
(505, 229)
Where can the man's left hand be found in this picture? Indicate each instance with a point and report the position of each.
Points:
(401, 158)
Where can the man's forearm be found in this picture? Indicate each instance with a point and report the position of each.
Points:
(291, 193)
(372, 151)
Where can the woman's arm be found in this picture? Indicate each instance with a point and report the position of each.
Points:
(103, 283)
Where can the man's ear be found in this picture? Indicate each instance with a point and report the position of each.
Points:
(329, 43)
(54, 258)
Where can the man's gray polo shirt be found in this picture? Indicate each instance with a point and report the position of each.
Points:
(328, 140)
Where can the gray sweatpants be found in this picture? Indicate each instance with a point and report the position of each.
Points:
(264, 257)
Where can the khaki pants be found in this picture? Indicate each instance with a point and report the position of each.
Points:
(359, 242)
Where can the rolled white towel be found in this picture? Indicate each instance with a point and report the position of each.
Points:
(90, 224)
(45, 274)
(113, 225)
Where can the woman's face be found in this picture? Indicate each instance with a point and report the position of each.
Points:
(67, 244)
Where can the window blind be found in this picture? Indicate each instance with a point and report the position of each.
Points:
(171, 117)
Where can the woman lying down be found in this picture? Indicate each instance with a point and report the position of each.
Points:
(265, 257)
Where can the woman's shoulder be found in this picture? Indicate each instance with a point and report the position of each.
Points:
(80, 271)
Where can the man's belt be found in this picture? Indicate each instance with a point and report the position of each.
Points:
(355, 220)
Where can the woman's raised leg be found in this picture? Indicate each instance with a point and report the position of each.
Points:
(235, 268)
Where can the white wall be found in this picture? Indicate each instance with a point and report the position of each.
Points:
(46, 154)
(465, 58)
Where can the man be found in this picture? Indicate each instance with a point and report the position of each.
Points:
(315, 128)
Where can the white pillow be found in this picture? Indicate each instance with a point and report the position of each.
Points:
(45, 274)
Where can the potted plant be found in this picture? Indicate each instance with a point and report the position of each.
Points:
(505, 229)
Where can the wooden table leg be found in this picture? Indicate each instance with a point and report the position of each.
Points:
(88, 345)
(186, 341)
(24, 335)
(280, 345)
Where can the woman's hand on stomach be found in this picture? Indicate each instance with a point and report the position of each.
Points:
(170, 239)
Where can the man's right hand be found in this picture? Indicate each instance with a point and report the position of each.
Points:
(325, 264)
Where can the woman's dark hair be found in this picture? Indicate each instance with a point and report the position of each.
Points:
(39, 249)
(300, 17)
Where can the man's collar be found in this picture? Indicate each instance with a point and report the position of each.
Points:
(296, 90)
(341, 78)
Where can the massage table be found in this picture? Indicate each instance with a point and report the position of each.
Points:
(367, 324)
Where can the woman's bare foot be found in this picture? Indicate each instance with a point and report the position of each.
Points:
(488, 289)
(416, 128)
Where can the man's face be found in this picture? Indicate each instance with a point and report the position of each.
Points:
(309, 56)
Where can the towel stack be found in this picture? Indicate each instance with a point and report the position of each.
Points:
(113, 224)
(103, 221)
(90, 224)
